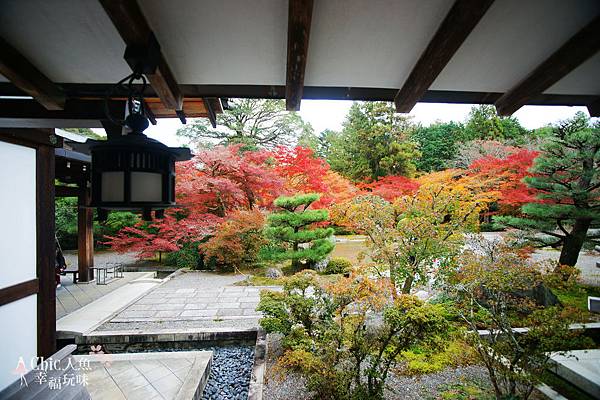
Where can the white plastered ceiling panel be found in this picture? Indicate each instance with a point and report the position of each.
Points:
(353, 43)
(584, 79)
(70, 41)
(511, 40)
(222, 42)
(369, 43)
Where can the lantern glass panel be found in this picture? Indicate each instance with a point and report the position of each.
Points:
(113, 186)
(146, 186)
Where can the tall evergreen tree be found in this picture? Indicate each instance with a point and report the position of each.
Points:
(293, 234)
(374, 143)
(567, 178)
(438, 144)
(484, 122)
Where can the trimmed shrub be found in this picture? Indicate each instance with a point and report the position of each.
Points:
(337, 265)
(187, 257)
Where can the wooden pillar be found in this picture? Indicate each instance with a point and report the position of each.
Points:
(46, 247)
(44, 142)
(85, 236)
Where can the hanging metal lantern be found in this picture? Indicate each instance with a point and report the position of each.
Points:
(132, 171)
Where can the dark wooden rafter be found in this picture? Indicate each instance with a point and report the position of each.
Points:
(20, 71)
(212, 116)
(594, 108)
(456, 27)
(129, 20)
(111, 129)
(181, 115)
(299, 21)
(569, 56)
(149, 114)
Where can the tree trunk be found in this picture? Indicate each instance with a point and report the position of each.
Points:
(573, 243)
(407, 285)
(295, 261)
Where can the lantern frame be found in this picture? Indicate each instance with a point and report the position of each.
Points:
(128, 155)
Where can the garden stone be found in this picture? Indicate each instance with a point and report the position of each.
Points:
(273, 273)
(320, 265)
(541, 294)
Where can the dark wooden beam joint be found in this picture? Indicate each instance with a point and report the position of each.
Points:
(299, 21)
(569, 56)
(181, 116)
(21, 72)
(67, 191)
(594, 108)
(454, 30)
(129, 20)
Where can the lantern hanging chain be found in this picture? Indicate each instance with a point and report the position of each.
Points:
(135, 94)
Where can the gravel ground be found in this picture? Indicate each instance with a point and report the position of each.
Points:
(292, 387)
(230, 373)
(426, 386)
(103, 257)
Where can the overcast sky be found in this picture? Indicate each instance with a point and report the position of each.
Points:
(329, 114)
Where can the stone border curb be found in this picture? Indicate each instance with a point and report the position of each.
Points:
(126, 337)
(255, 390)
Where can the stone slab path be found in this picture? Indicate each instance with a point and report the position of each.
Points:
(146, 376)
(71, 297)
(192, 300)
(91, 315)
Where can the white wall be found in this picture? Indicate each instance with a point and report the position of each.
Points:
(18, 320)
(18, 333)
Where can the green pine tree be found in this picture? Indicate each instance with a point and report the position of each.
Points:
(292, 232)
(567, 176)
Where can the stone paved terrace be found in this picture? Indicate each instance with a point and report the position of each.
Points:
(147, 376)
(71, 297)
(201, 300)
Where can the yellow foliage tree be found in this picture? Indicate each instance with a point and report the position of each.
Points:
(418, 236)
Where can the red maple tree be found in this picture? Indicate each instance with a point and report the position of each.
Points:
(301, 169)
(209, 187)
(506, 176)
(391, 187)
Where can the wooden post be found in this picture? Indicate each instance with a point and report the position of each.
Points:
(46, 299)
(85, 236)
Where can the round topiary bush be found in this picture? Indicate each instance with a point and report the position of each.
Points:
(337, 265)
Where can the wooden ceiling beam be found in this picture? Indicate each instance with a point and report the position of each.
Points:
(299, 21)
(569, 56)
(594, 108)
(129, 20)
(453, 31)
(76, 114)
(24, 75)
